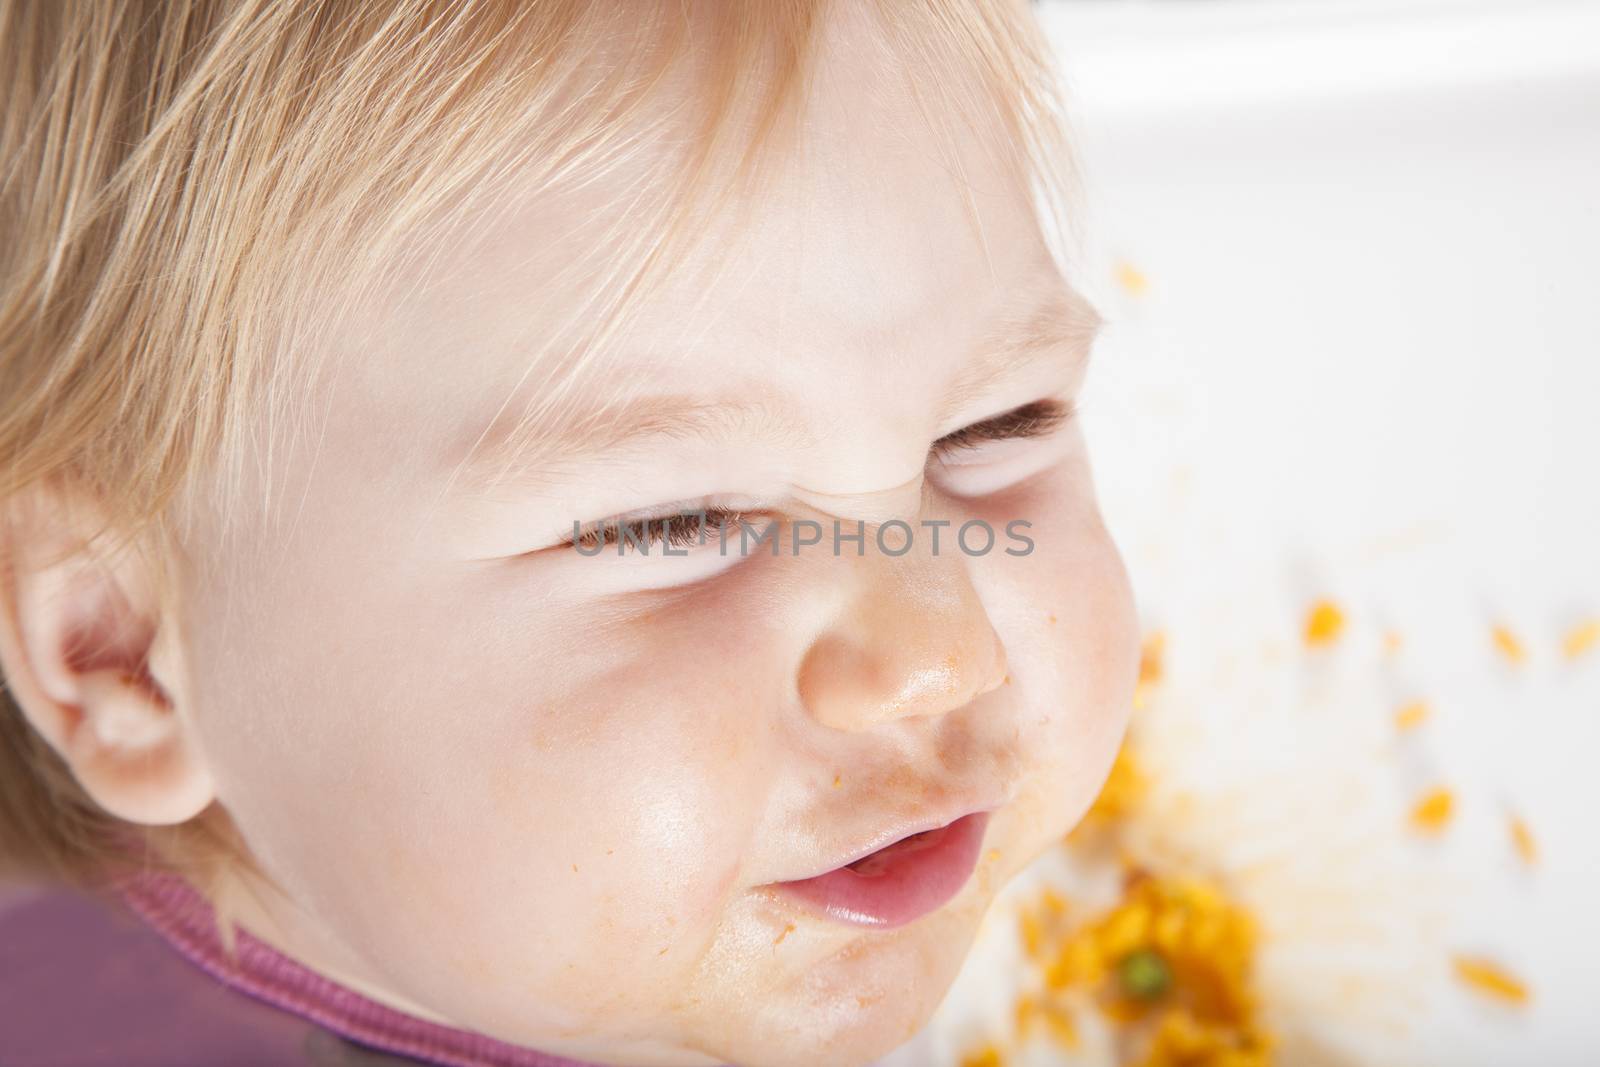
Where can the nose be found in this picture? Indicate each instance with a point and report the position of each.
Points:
(912, 639)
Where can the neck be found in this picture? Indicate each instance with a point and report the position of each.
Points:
(258, 908)
(310, 982)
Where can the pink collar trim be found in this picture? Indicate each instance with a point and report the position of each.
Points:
(177, 912)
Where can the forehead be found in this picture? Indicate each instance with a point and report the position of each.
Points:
(884, 247)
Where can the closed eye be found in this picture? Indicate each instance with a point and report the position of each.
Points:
(681, 529)
(1036, 419)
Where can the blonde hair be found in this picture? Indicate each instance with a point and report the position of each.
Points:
(183, 178)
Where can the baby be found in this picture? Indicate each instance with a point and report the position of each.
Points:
(561, 525)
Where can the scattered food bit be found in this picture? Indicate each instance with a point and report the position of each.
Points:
(1582, 639)
(1131, 279)
(1027, 1010)
(1324, 622)
(1490, 979)
(1183, 1041)
(788, 928)
(1035, 1011)
(1151, 656)
(1124, 787)
(1509, 645)
(1432, 813)
(1393, 642)
(836, 780)
(1522, 839)
(1412, 715)
(1043, 922)
(1052, 618)
(987, 1056)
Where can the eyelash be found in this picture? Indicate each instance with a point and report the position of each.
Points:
(1038, 419)
(677, 531)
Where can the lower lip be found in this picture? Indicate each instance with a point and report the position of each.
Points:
(898, 883)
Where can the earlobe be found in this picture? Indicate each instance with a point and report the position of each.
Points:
(133, 754)
(79, 647)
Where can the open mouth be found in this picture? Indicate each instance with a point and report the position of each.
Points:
(900, 882)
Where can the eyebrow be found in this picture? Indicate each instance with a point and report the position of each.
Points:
(1058, 321)
(613, 428)
(1039, 325)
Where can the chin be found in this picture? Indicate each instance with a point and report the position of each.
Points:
(867, 998)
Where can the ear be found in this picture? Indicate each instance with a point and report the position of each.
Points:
(91, 664)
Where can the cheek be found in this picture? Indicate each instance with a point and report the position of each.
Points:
(1066, 614)
(529, 803)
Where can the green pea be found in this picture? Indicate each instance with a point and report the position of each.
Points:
(1144, 974)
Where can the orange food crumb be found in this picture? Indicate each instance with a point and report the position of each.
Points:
(1034, 1012)
(1392, 642)
(1027, 1010)
(1490, 979)
(986, 1056)
(1131, 279)
(1411, 715)
(1508, 644)
(1043, 922)
(1324, 622)
(1125, 786)
(1183, 1041)
(788, 928)
(1432, 813)
(1152, 652)
(1582, 639)
(1522, 840)
(836, 780)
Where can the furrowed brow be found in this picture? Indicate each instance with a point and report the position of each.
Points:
(1052, 325)
(509, 459)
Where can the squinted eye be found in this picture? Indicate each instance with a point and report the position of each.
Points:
(1006, 450)
(1037, 419)
(683, 529)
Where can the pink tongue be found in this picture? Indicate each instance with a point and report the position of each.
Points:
(875, 864)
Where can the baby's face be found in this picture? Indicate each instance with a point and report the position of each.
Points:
(550, 796)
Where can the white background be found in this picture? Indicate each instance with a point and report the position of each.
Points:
(1367, 365)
